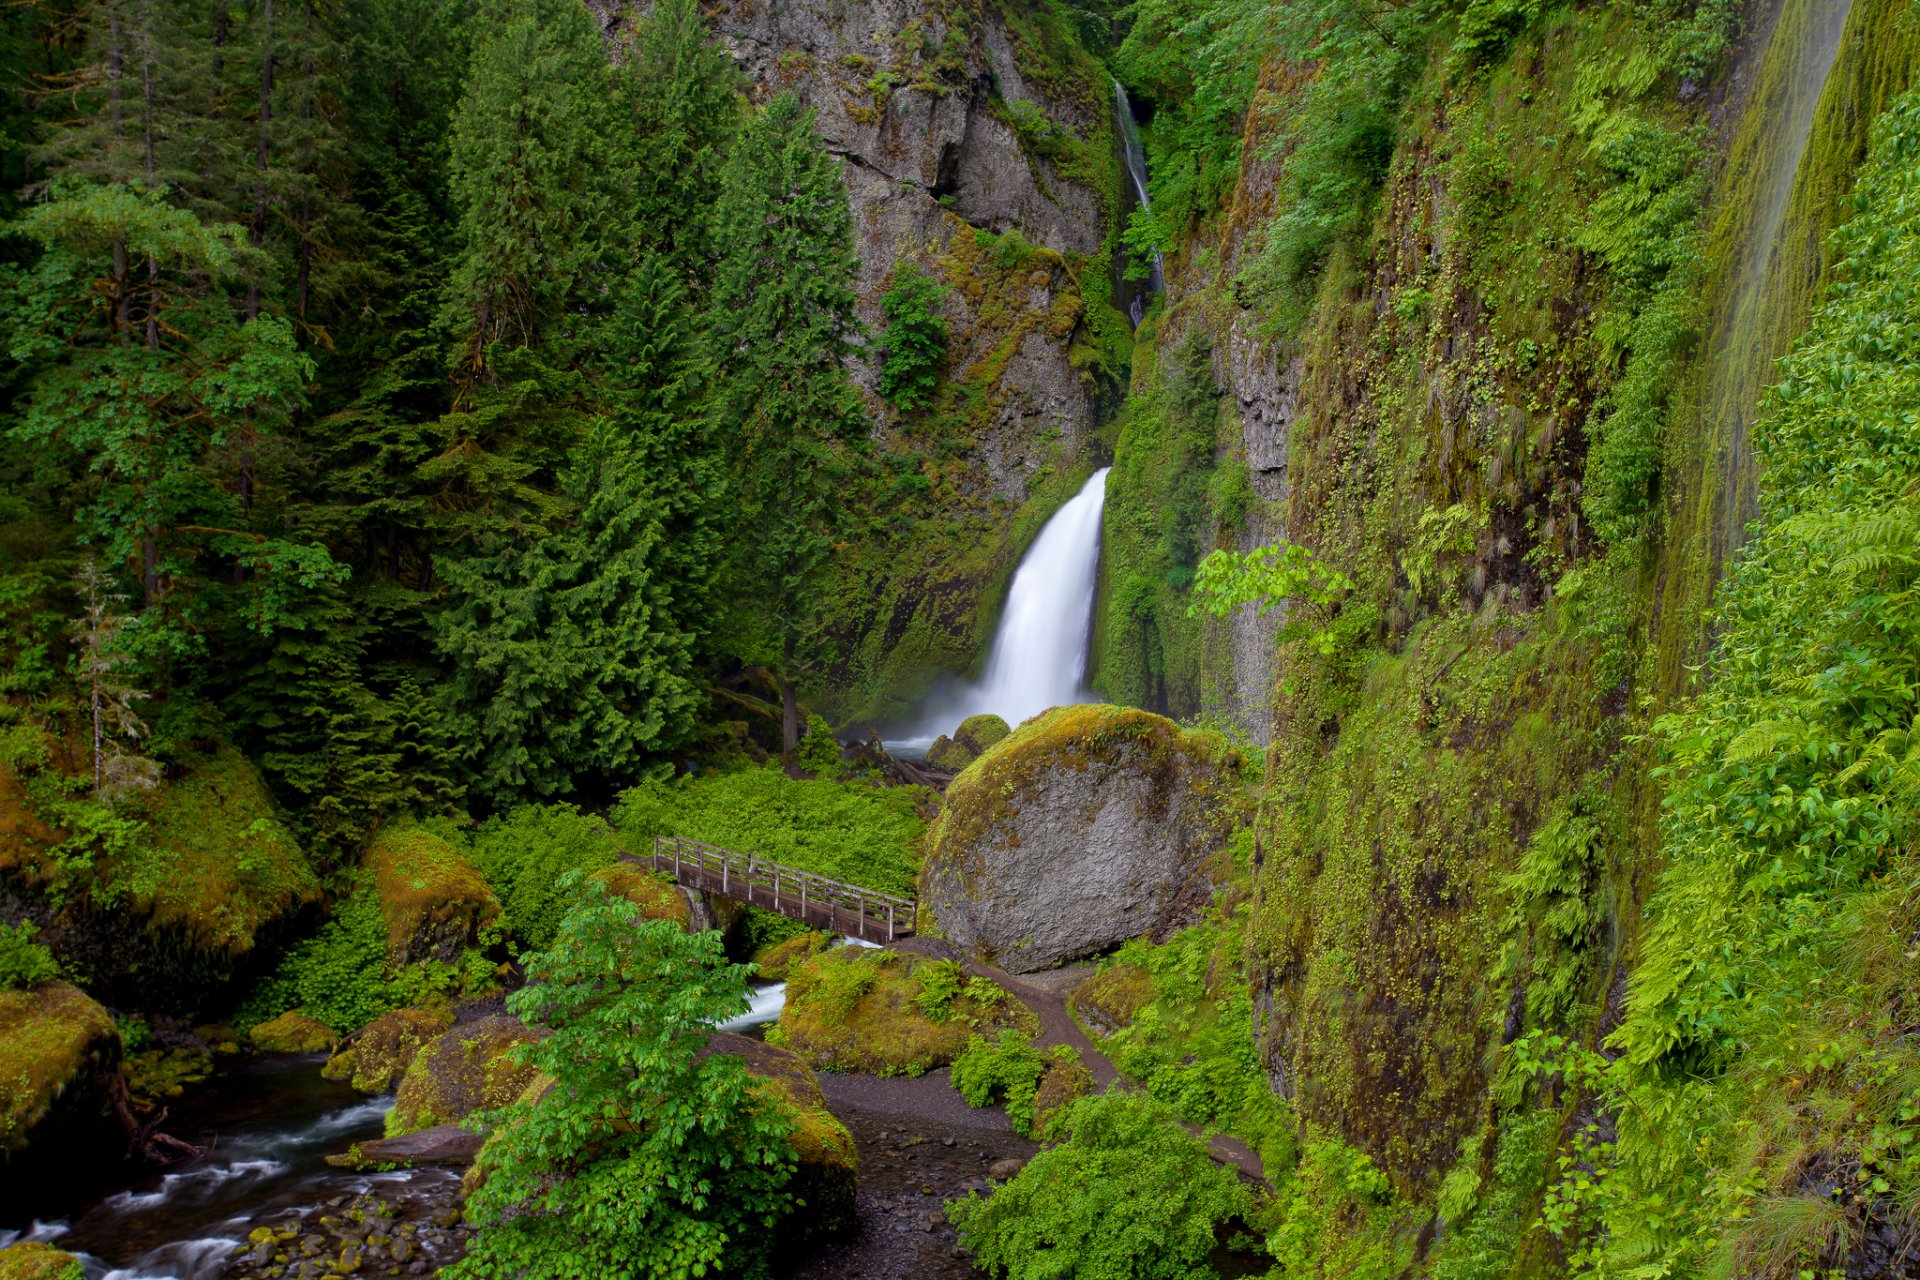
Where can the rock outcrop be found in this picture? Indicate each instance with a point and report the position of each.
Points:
(59, 1053)
(1089, 826)
(464, 1069)
(433, 901)
(379, 1054)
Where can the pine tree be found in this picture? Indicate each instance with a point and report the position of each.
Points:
(783, 330)
(684, 94)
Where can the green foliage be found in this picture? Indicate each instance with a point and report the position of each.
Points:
(819, 751)
(1006, 1069)
(1556, 919)
(645, 1157)
(525, 854)
(1334, 1217)
(1269, 577)
(849, 831)
(1126, 1195)
(684, 93)
(914, 347)
(24, 962)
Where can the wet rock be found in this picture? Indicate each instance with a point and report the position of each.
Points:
(33, 1260)
(462, 1070)
(378, 1054)
(445, 1144)
(1002, 1170)
(293, 1032)
(59, 1052)
(1089, 826)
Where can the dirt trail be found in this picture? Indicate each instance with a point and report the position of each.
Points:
(1058, 1027)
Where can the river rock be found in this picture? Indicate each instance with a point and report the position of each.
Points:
(379, 1053)
(462, 1070)
(968, 743)
(433, 901)
(293, 1032)
(443, 1144)
(59, 1053)
(32, 1260)
(1089, 826)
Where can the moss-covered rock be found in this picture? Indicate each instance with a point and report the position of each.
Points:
(32, 1260)
(464, 1069)
(829, 1164)
(949, 756)
(1065, 1082)
(888, 1012)
(968, 743)
(380, 1052)
(293, 1032)
(1086, 827)
(433, 901)
(1108, 1000)
(657, 897)
(775, 961)
(59, 1051)
(159, 1074)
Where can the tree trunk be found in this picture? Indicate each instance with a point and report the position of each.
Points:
(260, 152)
(789, 703)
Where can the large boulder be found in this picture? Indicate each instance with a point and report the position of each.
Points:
(433, 901)
(59, 1053)
(889, 1013)
(969, 742)
(466, 1068)
(829, 1166)
(293, 1032)
(1088, 826)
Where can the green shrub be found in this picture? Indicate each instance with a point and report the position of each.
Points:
(914, 347)
(24, 962)
(863, 834)
(1128, 1195)
(1007, 1069)
(524, 854)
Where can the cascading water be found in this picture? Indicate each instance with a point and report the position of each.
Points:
(1039, 654)
(1134, 156)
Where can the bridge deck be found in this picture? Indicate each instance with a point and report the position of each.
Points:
(799, 895)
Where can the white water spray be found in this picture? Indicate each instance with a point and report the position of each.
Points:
(1039, 654)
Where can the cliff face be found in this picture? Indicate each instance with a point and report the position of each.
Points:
(977, 141)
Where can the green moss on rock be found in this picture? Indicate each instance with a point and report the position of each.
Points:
(433, 901)
(32, 1260)
(1108, 1000)
(829, 1164)
(462, 1070)
(379, 1053)
(888, 1013)
(293, 1032)
(775, 962)
(58, 1051)
(657, 897)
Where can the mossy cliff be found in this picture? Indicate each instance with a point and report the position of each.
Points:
(1500, 378)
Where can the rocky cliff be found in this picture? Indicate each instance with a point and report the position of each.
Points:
(977, 141)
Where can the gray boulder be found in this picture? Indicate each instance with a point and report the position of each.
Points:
(1089, 826)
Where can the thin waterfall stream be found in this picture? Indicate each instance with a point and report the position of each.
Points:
(1134, 157)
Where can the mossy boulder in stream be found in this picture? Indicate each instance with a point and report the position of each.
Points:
(888, 1013)
(378, 1054)
(32, 1260)
(464, 1069)
(1086, 827)
(776, 960)
(59, 1052)
(293, 1032)
(968, 743)
(433, 901)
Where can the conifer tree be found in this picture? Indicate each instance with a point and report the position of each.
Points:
(783, 330)
(685, 99)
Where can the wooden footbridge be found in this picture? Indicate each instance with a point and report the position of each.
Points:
(812, 899)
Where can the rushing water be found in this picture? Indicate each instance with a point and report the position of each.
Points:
(1134, 157)
(272, 1123)
(1039, 655)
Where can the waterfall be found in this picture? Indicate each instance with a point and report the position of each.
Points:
(1134, 156)
(1039, 654)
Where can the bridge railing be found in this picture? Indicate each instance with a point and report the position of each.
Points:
(814, 899)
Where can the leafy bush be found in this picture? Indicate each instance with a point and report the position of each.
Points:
(1129, 1195)
(646, 1157)
(1009, 1069)
(867, 835)
(24, 962)
(915, 345)
(525, 853)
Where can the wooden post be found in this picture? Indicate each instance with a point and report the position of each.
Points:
(889, 922)
(676, 859)
(803, 899)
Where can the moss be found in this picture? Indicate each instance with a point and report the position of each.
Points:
(1109, 999)
(653, 893)
(464, 1069)
(433, 902)
(1066, 1081)
(859, 1009)
(381, 1052)
(775, 962)
(951, 756)
(977, 733)
(155, 1075)
(293, 1032)
(54, 1041)
(32, 1260)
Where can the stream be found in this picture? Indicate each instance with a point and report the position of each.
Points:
(272, 1121)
